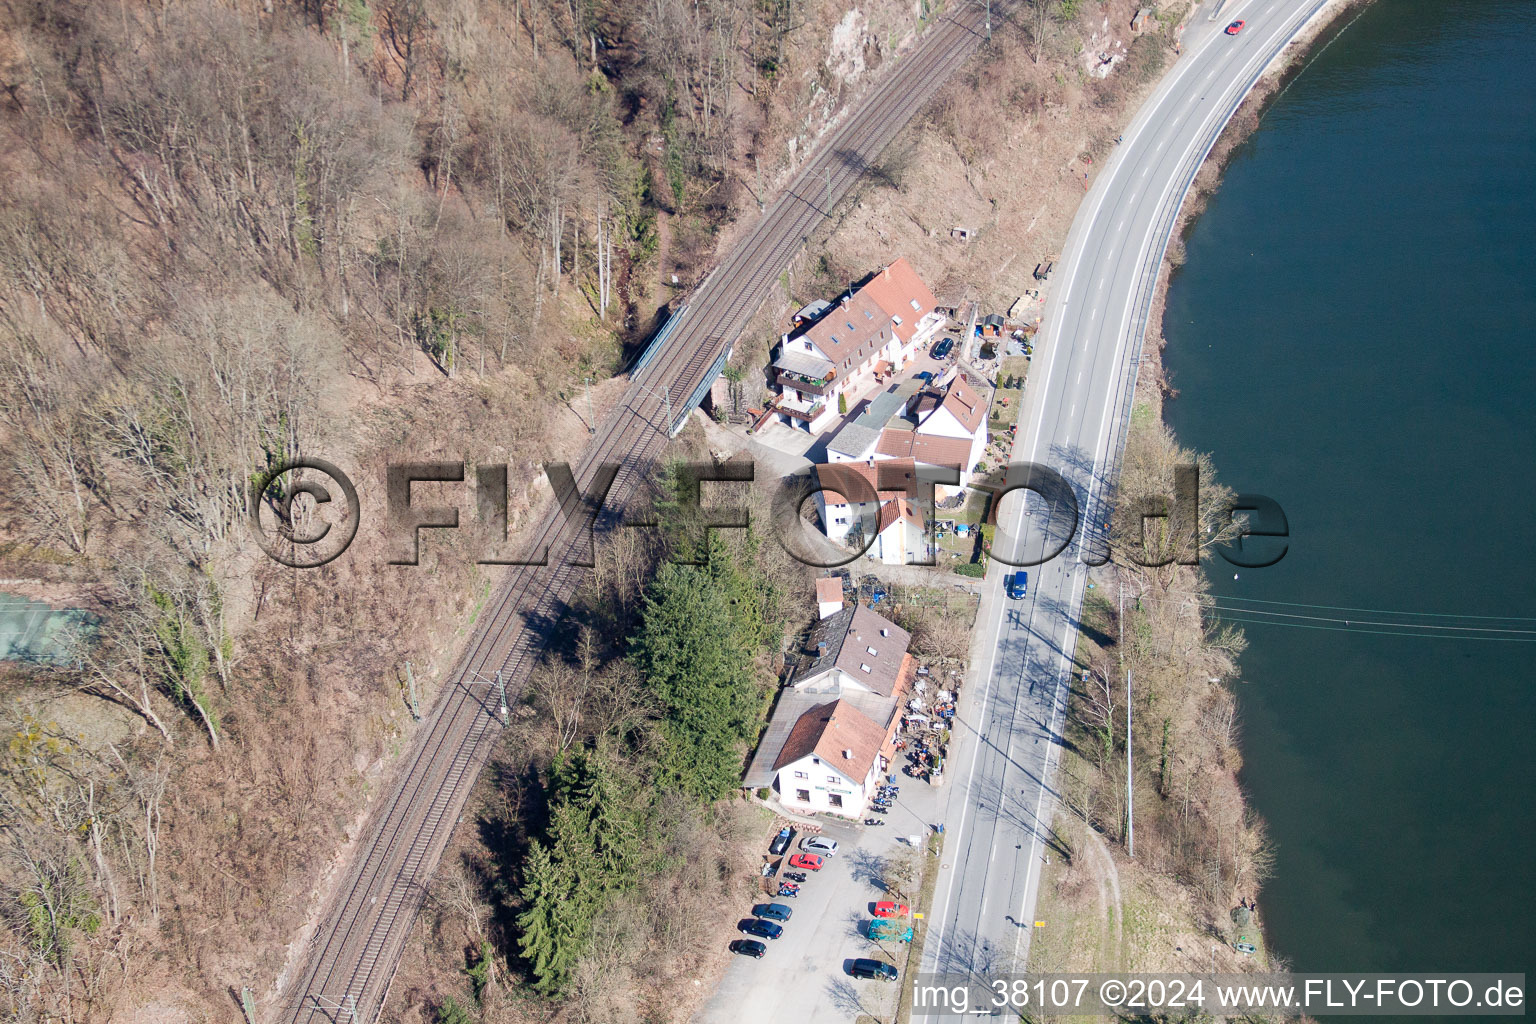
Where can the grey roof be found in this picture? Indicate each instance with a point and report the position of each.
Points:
(803, 363)
(814, 310)
(853, 638)
(855, 440)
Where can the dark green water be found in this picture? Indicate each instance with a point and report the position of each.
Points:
(1353, 336)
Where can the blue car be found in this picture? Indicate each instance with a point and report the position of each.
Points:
(925, 376)
(1017, 585)
(762, 929)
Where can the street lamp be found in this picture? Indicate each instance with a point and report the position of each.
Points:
(666, 397)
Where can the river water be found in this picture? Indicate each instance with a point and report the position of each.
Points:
(1352, 335)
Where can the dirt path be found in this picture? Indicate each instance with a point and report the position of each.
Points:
(1111, 906)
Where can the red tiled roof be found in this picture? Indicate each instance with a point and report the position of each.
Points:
(929, 449)
(858, 326)
(841, 735)
(965, 405)
(828, 589)
(845, 478)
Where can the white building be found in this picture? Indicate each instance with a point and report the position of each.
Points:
(831, 761)
(868, 336)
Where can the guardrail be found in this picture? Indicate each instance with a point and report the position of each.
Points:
(656, 343)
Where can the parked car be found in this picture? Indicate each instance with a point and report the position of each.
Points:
(819, 844)
(885, 930)
(805, 862)
(762, 929)
(773, 911)
(942, 348)
(781, 841)
(872, 970)
(890, 908)
(749, 947)
(1017, 584)
(1236, 27)
(925, 376)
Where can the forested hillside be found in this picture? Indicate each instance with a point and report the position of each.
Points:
(235, 231)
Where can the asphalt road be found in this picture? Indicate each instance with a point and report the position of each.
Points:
(1077, 408)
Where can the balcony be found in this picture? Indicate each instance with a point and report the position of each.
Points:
(801, 409)
(804, 382)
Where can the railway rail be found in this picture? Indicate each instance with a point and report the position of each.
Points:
(346, 970)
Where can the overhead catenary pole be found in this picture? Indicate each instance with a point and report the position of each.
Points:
(410, 683)
(591, 420)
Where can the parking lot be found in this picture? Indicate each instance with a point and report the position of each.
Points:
(804, 976)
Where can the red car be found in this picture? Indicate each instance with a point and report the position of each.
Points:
(889, 908)
(1236, 27)
(805, 862)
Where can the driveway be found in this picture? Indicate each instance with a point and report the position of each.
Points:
(804, 977)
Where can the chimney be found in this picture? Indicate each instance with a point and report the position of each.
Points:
(848, 755)
(887, 271)
(821, 649)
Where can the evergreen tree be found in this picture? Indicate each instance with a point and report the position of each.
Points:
(700, 633)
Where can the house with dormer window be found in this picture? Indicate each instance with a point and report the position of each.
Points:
(844, 349)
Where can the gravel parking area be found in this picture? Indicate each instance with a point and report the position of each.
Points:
(805, 976)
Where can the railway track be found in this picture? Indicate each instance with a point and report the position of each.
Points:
(349, 964)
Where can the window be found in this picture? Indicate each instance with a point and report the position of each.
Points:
(871, 650)
(896, 319)
(850, 326)
(842, 520)
(833, 779)
(868, 315)
(863, 666)
(916, 308)
(803, 795)
(834, 800)
(802, 775)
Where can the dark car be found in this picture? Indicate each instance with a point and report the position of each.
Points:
(1236, 27)
(942, 348)
(749, 947)
(925, 376)
(1017, 584)
(872, 970)
(762, 929)
(781, 841)
(773, 911)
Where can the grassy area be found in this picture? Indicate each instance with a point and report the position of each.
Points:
(1013, 366)
(924, 904)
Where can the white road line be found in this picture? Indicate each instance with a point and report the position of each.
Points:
(1145, 119)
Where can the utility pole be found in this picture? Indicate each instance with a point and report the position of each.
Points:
(758, 167)
(501, 696)
(665, 392)
(1130, 812)
(248, 1004)
(989, 20)
(828, 210)
(410, 682)
(591, 422)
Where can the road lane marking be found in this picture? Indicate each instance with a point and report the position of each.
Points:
(1147, 118)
